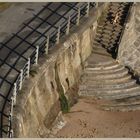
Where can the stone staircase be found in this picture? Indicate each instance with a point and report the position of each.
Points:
(110, 82)
(104, 78)
(110, 26)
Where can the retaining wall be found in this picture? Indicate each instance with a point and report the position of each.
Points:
(38, 106)
(129, 49)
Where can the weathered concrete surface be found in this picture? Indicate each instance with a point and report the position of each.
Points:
(16, 14)
(129, 50)
(38, 103)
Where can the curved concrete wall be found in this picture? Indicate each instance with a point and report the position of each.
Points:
(129, 49)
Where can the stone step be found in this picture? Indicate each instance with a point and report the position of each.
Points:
(101, 79)
(109, 91)
(115, 103)
(110, 18)
(98, 47)
(91, 60)
(103, 53)
(107, 86)
(115, 7)
(99, 31)
(126, 6)
(131, 107)
(107, 74)
(109, 22)
(109, 27)
(106, 81)
(128, 99)
(120, 11)
(107, 32)
(107, 40)
(126, 104)
(108, 45)
(110, 94)
(118, 69)
(107, 36)
(106, 67)
(121, 95)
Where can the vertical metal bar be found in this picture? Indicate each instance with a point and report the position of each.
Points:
(58, 35)
(10, 117)
(12, 104)
(96, 6)
(68, 26)
(87, 12)
(11, 133)
(28, 68)
(36, 55)
(15, 92)
(47, 44)
(9, 123)
(21, 77)
(78, 16)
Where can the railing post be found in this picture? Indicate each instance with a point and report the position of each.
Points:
(21, 78)
(36, 55)
(9, 124)
(28, 68)
(47, 45)
(96, 6)
(12, 105)
(68, 26)
(87, 11)
(10, 117)
(58, 35)
(78, 16)
(11, 133)
(14, 93)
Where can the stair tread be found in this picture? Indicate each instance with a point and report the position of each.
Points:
(122, 95)
(102, 67)
(107, 85)
(111, 95)
(106, 73)
(130, 107)
(115, 80)
(119, 68)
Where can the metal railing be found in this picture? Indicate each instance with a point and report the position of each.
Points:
(49, 41)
